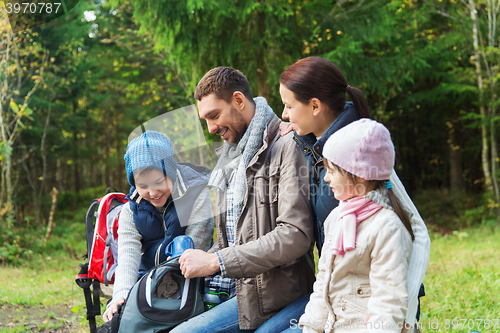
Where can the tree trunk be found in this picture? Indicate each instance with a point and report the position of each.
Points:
(262, 73)
(2, 193)
(8, 180)
(59, 174)
(456, 171)
(107, 159)
(482, 110)
(30, 177)
(493, 10)
(494, 160)
(51, 223)
(76, 174)
(43, 152)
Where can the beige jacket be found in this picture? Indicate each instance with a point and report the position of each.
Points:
(273, 234)
(369, 281)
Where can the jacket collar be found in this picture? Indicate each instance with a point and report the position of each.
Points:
(272, 126)
(307, 140)
(270, 132)
(349, 115)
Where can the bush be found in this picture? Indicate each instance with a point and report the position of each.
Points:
(69, 201)
(446, 212)
(21, 245)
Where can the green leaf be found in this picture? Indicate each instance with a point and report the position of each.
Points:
(14, 106)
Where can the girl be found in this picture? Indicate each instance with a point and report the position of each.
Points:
(166, 199)
(362, 278)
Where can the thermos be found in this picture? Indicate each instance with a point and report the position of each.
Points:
(211, 299)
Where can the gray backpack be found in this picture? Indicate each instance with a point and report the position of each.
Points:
(160, 300)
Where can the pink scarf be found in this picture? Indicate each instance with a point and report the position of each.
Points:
(352, 212)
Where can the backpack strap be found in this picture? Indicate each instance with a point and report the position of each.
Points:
(105, 263)
(93, 307)
(89, 225)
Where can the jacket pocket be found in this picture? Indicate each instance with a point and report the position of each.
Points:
(363, 290)
(278, 287)
(350, 315)
(266, 186)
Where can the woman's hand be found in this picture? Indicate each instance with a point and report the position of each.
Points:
(111, 310)
(286, 128)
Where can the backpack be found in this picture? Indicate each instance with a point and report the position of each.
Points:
(102, 250)
(160, 300)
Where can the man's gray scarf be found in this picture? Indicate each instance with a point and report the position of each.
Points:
(238, 156)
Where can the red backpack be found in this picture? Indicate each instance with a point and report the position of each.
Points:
(102, 250)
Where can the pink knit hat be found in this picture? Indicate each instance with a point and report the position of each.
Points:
(363, 148)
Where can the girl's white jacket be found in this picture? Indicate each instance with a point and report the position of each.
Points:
(372, 287)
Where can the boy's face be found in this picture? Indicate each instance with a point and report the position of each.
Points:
(222, 118)
(153, 186)
(342, 185)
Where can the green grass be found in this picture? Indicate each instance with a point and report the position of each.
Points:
(462, 282)
(42, 299)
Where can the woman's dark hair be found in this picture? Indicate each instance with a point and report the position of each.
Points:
(315, 77)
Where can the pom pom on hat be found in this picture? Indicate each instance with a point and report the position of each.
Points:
(151, 149)
(363, 148)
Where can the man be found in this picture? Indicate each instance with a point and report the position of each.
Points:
(263, 215)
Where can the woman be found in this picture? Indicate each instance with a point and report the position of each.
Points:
(166, 199)
(313, 91)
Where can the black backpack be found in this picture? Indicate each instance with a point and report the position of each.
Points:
(159, 301)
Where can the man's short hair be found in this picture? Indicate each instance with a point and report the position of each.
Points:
(223, 82)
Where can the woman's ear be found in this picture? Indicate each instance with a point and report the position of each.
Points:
(315, 105)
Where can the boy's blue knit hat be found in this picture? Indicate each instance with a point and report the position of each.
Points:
(151, 149)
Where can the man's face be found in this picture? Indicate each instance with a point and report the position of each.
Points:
(222, 118)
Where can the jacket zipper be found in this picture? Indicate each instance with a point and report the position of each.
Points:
(317, 161)
(157, 256)
(344, 302)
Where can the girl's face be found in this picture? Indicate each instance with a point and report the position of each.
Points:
(297, 112)
(153, 186)
(342, 185)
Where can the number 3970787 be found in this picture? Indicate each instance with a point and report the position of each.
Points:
(33, 8)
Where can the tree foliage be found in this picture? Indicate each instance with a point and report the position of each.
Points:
(108, 68)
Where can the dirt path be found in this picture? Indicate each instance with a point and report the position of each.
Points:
(39, 319)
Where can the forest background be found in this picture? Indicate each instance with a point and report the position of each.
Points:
(73, 89)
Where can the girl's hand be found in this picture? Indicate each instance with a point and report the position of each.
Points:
(111, 310)
(404, 327)
(286, 128)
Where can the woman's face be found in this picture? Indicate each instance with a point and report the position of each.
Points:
(297, 112)
(153, 186)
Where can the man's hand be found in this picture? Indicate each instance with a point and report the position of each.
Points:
(286, 128)
(198, 263)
